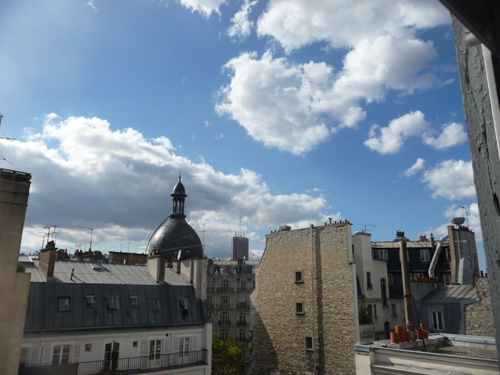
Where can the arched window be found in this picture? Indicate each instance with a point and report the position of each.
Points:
(383, 290)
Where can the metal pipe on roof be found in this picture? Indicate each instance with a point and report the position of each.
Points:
(435, 257)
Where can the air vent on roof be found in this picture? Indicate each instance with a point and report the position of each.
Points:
(95, 267)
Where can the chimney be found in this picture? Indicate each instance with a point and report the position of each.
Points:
(156, 268)
(48, 262)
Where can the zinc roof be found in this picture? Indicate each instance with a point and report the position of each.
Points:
(453, 293)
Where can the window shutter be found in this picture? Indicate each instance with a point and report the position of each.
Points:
(46, 354)
(34, 356)
(145, 354)
(75, 355)
(165, 350)
(193, 348)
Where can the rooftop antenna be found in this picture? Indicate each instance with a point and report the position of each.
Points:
(466, 214)
(1, 157)
(366, 225)
(91, 231)
(203, 236)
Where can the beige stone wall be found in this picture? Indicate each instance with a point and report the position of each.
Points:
(14, 189)
(479, 316)
(127, 258)
(279, 338)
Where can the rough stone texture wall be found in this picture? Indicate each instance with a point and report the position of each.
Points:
(127, 258)
(280, 334)
(484, 154)
(47, 263)
(478, 316)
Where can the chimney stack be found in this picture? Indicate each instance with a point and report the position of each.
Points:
(156, 268)
(48, 262)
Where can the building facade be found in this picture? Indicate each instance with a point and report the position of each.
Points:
(230, 284)
(305, 302)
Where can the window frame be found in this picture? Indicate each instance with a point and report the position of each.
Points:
(299, 277)
(369, 284)
(66, 307)
(299, 308)
(437, 325)
(425, 255)
(113, 303)
(309, 344)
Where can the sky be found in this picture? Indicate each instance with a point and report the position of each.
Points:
(275, 112)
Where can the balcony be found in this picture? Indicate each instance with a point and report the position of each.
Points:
(224, 290)
(241, 323)
(134, 365)
(224, 323)
(242, 305)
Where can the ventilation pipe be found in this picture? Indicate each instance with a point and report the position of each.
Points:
(436, 255)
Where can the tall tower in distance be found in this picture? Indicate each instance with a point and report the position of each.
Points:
(239, 247)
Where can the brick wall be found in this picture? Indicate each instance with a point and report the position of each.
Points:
(280, 334)
(479, 316)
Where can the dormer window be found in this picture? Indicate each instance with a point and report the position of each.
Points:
(89, 301)
(113, 303)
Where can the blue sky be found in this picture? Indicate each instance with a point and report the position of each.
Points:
(278, 112)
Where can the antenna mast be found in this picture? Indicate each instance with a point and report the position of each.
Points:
(366, 225)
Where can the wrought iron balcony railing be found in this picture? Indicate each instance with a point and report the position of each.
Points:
(134, 365)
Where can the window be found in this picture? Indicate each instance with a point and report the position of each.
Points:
(224, 300)
(393, 309)
(60, 355)
(63, 304)
(448, 254)
(374, 310)
(243, 318)
(224, 318)
(89, 301)
(135, 344)
(383, 290)
(210, 304)
(299, 308)
(437, 320)
(154, 349)
(298, 277)
(369, 280)
(225, 285)
(154, 304)
(210, 286)
(113, 303)
(224, 334)
(425, 255)
(241, 336)
(183, 346)
(183, 303)
(309, 343)
(134, 301)
(447, 279)
(382, 254)
(391, 281)
(243, 286)
(88, 347)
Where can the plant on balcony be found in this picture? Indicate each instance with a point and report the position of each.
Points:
(227, 357)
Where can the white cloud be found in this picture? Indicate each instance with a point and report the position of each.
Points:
(344, 23)
(204, 7)
(299, 103)
(116, 181)
(453, 134)
(241, 25)
(451, 179)
(92, 6)
(279, 103)
(390, 139)
(417, 167)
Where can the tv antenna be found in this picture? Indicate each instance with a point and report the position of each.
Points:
(91, 231)
(7, 138)
(366, 225)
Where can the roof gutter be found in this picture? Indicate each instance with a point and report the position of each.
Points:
(436, 255)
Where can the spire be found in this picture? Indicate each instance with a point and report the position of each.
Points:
(178, 197)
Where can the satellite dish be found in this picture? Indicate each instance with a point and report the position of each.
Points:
(458, 220)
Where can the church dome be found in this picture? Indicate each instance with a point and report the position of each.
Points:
(175, 238)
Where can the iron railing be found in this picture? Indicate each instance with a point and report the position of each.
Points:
(119, 366)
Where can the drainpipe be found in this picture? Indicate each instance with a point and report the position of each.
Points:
(312, 298)
(436, 255)
(406, 290)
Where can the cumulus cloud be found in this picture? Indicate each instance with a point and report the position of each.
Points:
(85, 174)
(415, 168)
(453, 134)
(359, 30)
(279, 103)
(204, 7)
(390, 139)
(241, 25)
(451, 179)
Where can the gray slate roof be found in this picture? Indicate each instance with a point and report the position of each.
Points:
(103, 273)
(409, 244)
(453, 294)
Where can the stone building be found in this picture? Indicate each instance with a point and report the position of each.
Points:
(14, 191)
(305, 302)
(230, 284)
(479, 315)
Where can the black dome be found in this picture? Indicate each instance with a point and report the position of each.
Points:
(175, 235)
(179, 189)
